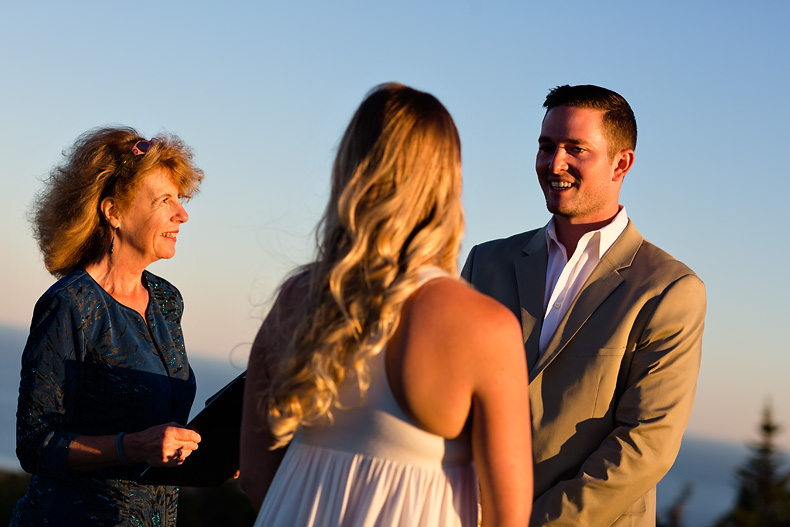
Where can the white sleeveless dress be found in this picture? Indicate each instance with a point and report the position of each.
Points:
(373, 468)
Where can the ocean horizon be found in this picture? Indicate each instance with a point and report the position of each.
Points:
(704, 472)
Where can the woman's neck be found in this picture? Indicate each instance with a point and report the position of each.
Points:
(123, 283)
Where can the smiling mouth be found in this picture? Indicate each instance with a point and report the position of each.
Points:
(560, 185)
(169, 234)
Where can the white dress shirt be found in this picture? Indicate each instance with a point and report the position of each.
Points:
(565, 278)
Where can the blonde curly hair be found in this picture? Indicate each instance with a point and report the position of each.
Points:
(67, 222)
(395, 207)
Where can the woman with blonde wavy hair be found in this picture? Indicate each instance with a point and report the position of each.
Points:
(106, 387)
(380, 387)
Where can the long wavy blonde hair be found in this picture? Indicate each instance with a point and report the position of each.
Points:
(395, 206)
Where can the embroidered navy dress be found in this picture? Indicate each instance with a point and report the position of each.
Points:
(92, 366)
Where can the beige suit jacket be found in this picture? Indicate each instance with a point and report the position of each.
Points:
(612, 393)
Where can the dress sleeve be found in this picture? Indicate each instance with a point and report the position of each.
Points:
(49, 384)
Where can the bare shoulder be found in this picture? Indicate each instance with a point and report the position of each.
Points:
(285, 308)
(454, 298)
(453, 310)
(279, 323)
(454, 345)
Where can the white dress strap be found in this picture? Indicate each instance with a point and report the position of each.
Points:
(429, 272)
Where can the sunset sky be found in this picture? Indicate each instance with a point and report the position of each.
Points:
(263, 90)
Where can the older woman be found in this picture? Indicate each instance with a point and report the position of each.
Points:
(105, 384)
(385, 375)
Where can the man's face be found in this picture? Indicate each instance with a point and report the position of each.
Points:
(579, 180)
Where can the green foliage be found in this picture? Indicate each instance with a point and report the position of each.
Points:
(764, 490)
(12, 487)
(674, 516)
(225, 505)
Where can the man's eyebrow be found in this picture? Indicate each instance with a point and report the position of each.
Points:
(546, 139)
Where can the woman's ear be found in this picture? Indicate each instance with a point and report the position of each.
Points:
(111, 212)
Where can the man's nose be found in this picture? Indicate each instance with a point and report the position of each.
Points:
(557, 162)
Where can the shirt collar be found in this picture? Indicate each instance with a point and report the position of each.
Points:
(605, 236)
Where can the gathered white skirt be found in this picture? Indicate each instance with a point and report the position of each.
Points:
(323, 487)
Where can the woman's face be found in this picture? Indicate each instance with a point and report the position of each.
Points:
(149, 227)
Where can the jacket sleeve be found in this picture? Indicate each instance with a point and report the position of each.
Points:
(49, 384)
(650, 418)
(466, 272)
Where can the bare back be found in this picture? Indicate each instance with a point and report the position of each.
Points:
(456, 361)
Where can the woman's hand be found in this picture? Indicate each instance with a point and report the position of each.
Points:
(166, 445)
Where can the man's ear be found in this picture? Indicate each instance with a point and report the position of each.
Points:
(625, 160)
(111, 212)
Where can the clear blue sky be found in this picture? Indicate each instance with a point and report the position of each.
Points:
(263, 90)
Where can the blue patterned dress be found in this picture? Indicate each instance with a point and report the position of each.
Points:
(92, 366)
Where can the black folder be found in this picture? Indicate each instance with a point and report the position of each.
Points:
(217, 457)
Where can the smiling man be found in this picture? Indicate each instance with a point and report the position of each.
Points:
(612, 324)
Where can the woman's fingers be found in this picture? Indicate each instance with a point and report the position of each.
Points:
(168, 445)
(179, 433)
(179, 443)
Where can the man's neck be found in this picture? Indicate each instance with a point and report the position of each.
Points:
(569, 233)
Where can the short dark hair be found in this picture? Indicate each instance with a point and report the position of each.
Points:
(618, 118)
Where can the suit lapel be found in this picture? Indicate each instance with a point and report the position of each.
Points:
(531, 281)
(604, 279)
